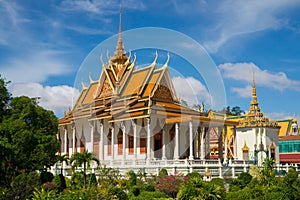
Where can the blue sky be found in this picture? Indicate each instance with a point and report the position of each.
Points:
(44, 43)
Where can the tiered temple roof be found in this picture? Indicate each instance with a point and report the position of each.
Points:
(124, 92)
(255, 117)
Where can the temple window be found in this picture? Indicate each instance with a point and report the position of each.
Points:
(130, 144)
(82, 143)
(120, 142)
(67, 147)
(96, 143)
(143, 149)
(245, 151)
(272, 151)
(109, 143)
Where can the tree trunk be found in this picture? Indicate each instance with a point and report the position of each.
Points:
(84, 176)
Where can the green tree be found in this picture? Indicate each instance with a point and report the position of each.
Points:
(23, 185)
(61, 159)
(5, 97)
(84, 158)
(237, 111)
(242, 180)
(195, 188)
(268, 172)
(108, 177)
(27, 138)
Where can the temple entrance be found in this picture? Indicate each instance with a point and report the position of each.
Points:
(158, 145)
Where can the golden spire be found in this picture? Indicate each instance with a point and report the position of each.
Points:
(255, 117)
(254, 101)
(254, 110)
(120, 47)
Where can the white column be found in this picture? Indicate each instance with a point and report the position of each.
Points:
(101, 146)
(112, 143)
(225, 144)
(191, 141)
(134, 141)
(207, 143)
(65, 139)
(92, 135)
(220, 143)
(164, 143)
(74, 140)
(202, 145)
(148, 140)
(124, 144)
(176, 154)
(234, 143)
(199, 129)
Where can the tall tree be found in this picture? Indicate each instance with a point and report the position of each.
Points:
(5, 96)
(78, 159)
(237, 111)
(62, 159)
(28, 136)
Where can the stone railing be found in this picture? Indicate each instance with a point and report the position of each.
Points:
(216, 168)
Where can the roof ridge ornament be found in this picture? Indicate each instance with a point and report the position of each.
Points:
(101, 59)
(167, 61)
(83, 86)
(91, 79)
(155, 59)
(133, 62)
(128, 60)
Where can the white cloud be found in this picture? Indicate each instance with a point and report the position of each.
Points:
(244, 72)
(242, 92)
(34, 67)
(278, 115)
(100, 7)
(191, 90)
(56, 98)
(236, 18)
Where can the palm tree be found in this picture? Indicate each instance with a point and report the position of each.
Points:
(268, 172)
(61, 159)
(84, 158)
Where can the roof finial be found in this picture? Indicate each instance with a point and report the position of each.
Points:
(253, 79)
(253, 85)
(120, 47)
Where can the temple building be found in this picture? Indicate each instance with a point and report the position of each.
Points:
(256, 135)
(132, 119)
(289, 141)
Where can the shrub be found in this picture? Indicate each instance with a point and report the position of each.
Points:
(77, 180)
(24, 184)
(194, 175)
(146, 195)
(46, 176)
(60, 182)
(149, 187)
(162, 172)
(49, 186)
(116, 193)
(170, 185)
(132, 178)
(91, 180)
(135, 190)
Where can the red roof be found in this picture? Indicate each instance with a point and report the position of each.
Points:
(289, 137)
(289, 157)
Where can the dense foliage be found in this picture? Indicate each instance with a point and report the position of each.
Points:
(27, 136)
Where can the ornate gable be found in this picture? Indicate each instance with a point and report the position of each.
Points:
(163, 92)
(164, 89)
(106, 89)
